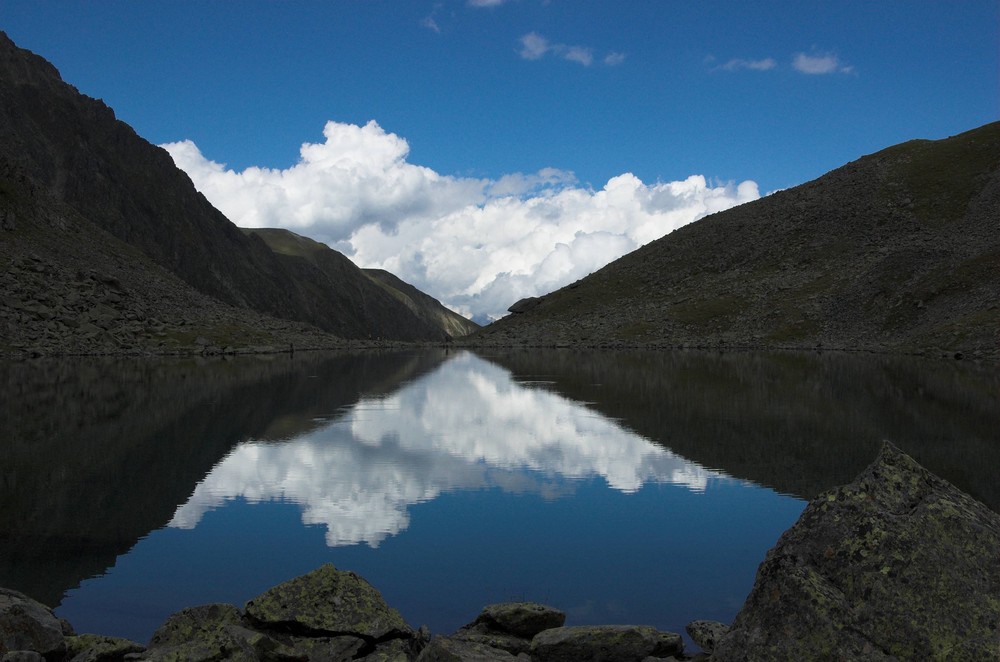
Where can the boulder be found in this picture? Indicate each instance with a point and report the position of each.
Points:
(706, 633)
(622, 643)
(524, 305)
(451, 649)
(898, 564)
(521, 619)
(98, 648)
(328, 601)
(212, 632)
(28, 625)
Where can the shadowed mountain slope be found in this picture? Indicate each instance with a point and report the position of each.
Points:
(898, 251)
(364, 290)
(72, 174)
(423, 305)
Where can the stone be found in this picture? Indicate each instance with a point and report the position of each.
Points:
(328, 601)
(524, 305)
(97, 648)
(450, 649)
(22, 656)
(502, 640)
(521, 619)
(706, 633)
(212, 632)
(395, 650)
(326, 649)
(622, 643)
(28, 625)
(898, 564)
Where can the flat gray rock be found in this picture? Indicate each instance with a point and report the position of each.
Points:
(898, 564)
(598, 643)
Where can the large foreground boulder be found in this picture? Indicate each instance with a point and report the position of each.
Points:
(28, 625)
(898, 564)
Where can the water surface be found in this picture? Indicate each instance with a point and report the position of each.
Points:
(620, 487)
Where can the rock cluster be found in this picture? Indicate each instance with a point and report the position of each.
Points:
(897, 565)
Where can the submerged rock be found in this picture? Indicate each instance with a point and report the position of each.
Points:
(452, 649)
(622, 643)
(328, 601)
(898, 564)
(28, 625)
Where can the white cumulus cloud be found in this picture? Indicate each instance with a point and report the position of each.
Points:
(478, 245)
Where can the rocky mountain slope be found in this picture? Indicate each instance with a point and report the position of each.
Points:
(87, 205)
(361, 290)
(897, 251)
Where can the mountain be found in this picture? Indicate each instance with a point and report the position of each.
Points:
(897, 251)
(364, 290)
(423, 305)
(100, 230)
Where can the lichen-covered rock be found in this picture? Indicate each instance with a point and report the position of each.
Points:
(521, 619)
(898, 564)
(212, 632)
(98, 648)
(22, 656)
(326, 649)
(28, 625)
(622, 643)
(328, 601)
(450, 649)
(394, 650)
(480, 634)
(706, 633)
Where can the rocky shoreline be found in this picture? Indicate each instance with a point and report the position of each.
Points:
(898, 564)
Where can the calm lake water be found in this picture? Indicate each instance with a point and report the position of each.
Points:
(621, 487)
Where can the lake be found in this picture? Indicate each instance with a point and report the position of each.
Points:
(621, 487)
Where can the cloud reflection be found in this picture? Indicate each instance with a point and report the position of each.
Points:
(466, 426)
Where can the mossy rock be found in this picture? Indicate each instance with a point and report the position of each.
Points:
(898, 564)
(623, 643)
(98, 648)
(213, 632)
(328, 601)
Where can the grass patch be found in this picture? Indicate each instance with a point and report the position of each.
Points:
(943, 176)
(706, 310)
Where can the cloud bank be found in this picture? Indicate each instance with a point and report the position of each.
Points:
(478, 245)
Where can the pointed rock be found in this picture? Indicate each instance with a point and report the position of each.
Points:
(898, 564)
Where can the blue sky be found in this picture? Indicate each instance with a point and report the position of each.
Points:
(562, 95)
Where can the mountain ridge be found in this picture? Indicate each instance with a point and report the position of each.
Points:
(100, 231)
(896, 251)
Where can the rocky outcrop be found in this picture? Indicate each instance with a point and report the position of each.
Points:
(898, 564)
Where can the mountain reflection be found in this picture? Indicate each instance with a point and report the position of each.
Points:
(466, 426)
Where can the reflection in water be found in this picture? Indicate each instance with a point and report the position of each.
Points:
(466, 426)
(477, 481)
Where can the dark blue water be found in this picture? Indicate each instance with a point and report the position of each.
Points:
(451, 481)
